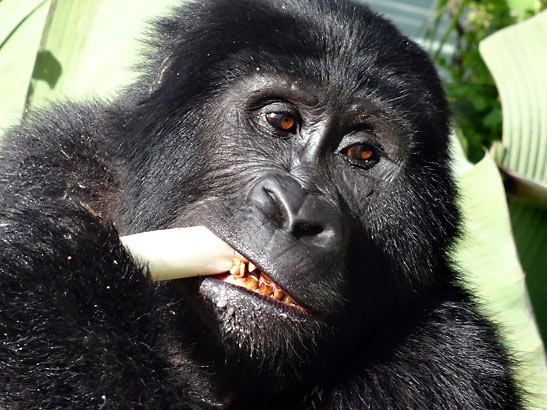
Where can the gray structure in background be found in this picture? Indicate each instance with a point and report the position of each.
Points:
(410, 16)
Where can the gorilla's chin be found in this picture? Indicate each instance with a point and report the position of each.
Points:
(253, 329)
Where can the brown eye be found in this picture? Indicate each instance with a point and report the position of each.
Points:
(283, 122)
(360, 152)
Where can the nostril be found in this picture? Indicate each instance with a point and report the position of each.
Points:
(304, 229)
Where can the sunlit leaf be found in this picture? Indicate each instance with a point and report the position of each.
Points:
(488, 258)
(80, 59)
(22, 23)
(517, 57)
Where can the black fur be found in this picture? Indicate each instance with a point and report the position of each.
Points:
(360, 244)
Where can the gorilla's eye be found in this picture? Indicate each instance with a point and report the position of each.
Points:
(359, 151)
(281, 121)
(362, 155)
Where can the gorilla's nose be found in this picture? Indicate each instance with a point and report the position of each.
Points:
(309, 218)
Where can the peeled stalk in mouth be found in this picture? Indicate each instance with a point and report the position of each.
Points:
(180, 252)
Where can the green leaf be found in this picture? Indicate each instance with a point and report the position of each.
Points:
(491, 269)
(68, 29)
(78, 56)
(523, 7)
(22, 22)
(78, 49)
(517, 58)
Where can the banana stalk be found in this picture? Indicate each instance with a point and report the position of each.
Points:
(180, 252)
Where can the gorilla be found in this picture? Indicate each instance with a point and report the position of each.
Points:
(311, 136)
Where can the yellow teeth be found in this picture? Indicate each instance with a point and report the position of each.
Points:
(234, 269)
(278, 294)
(265, 289)
(251, 283)
(255, 280)
(242, 270)
(289, 300)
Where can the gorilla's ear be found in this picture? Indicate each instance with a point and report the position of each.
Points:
(164, 69)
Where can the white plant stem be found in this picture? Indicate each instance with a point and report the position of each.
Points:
(180, 252)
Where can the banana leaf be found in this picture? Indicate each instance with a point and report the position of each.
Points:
(491, 269)
(21, 25)
(517, 58)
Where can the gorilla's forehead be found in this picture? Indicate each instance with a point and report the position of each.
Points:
(338, 41)
(349, 104)
(357, 55)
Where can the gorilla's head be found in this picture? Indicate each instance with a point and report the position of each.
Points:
(312, 137)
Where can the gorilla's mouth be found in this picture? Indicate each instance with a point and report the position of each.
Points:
(245, 274)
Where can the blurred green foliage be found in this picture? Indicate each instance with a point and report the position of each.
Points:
(468, 82)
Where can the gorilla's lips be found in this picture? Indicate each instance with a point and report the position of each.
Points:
(246, 275)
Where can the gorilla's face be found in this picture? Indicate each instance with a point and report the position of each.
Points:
(321, 160)
(304, 176)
